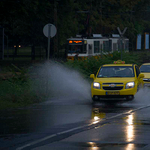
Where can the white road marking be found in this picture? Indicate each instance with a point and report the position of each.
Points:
(80, 127)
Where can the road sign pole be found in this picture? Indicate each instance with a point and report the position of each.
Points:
(49, 33)
(121, 38)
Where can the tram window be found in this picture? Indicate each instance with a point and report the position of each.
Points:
(96, 46)
(126, 45)
(114, 46)
(77, 49)
(106, 46)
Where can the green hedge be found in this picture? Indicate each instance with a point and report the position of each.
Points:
(91, 65)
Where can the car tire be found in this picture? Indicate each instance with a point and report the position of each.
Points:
(130, 99)
(95, 99)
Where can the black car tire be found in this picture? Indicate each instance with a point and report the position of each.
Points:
(130, 99)
(94, 99)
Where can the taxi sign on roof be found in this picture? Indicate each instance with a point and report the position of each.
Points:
(119, 62)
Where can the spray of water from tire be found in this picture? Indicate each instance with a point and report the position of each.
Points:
(62, 83)
(142, 98)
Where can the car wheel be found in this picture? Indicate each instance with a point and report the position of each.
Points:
(130, 98)
(95, 98)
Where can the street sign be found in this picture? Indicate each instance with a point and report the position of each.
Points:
(49, 30)
(119, 30)
(124, 30)
(122, 38)
(121, 33)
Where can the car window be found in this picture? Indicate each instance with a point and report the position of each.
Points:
(116, 71)
(137, 71)
(145, 68)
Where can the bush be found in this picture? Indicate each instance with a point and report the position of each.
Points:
(91, 65)
(18, 90)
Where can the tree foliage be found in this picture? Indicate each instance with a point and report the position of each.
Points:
(24, 20)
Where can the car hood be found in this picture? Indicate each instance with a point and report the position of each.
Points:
(146, 75)
(114, 80)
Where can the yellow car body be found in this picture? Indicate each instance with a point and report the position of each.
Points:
(145, 69)
(112, 83)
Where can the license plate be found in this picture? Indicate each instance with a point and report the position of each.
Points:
(112, 93)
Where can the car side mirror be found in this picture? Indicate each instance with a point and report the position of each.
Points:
(92, 76)
(141, 75)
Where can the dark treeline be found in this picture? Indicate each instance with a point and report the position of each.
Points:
(23, 20)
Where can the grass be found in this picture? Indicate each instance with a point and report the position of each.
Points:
(18, 89)
(16, 94)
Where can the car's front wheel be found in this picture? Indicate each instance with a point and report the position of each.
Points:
(95, 98)
(130, 97)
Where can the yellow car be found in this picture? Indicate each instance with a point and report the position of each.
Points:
(145, 69)
(117, 81)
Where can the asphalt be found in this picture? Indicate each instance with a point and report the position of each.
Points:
(123, 131)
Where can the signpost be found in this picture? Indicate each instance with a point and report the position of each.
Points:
(121, 35)
(49, 31)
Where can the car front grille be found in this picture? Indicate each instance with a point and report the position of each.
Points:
(112, 83)
(112, 88)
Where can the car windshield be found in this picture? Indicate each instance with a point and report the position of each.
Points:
(116, 71)
(145, 68)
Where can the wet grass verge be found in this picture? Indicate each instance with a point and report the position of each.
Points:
(17, 88)
(18, 94)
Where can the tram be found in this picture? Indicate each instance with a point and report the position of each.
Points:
(82, 47)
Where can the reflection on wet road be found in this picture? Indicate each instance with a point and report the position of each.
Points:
(116, 125)
(53, 113)
(129, 128)
(120, 126)
(125, 132)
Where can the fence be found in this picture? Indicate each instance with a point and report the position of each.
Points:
(24, 53)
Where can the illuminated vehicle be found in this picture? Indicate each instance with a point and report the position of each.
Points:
(83, 47)
(117, 81)
(145, 69)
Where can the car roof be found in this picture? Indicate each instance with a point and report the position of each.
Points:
(118, 65)
(146, 64)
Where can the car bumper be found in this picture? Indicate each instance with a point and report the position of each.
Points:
(113, 95)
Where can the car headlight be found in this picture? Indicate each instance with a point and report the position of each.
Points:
(130, 85)
(96, 85)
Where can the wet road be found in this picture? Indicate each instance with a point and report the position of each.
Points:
(124, 132)
(77, 124)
